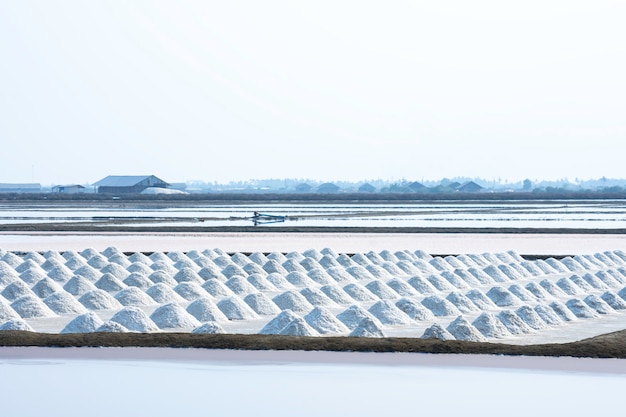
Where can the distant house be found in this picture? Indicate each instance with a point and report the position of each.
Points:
(68, 189)
(20, 188)
(327, 187)
(417, 187)
(303, 188)
(470, 187)
(367, 188)
(128, 184)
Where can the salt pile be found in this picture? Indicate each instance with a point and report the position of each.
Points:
(551, 288)
(99, 300)
(298, 327)
(538, 291)
(437, 332)
(402, 288)
(30, 306)
(502, 297)
(353, 315)
(595, 282)
(440, 307)
(162, 294)
(260, 283)
(109, 283)
(495, 274)
(377, 272)
(209, 328)
(15, 290)
(613, 300)
(580, 309)
(140, 268)
(138, 280)
(135, 320)
(205, 309)
(339, 275)
(368, 327)
(421, 285)
(84, 323)
(456, 281)
(382, 290)
(299, 279)
(45, 287)
(439, 283)
(568, 287)
(359, 293)
(252, 268)
(480, 300)
(173, 316)
(562, 311)
(317, 297)
(608, 279)
(278, 323)
(116, 270)
(16, 324)
(273, 266)
(320, 277)
(547, 314)
(461, 302)
(387, 313)
(414, 310)
(598, 304)
(489, 326)
(279, 281)
(462, 329)
(88, 272)
(261, 304)
(522, 293)
(513, 322)
(133, 296)
(189, 275)
(217, 289)
(60, 274)
(292, 300)
(530, 317)
(190, 291)
(235, 309)
(336, 294)
(292, 265)
(211, 272)
(360, 273)
(324, 322)
(231, 271)
(481, 276)
(78, 285)
(6, 312)
(63, 302)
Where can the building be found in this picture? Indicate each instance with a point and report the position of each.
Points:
(20, 188)
(128, 184)
(68, 189)
(328, 187)
(470, 187)
(367, 188)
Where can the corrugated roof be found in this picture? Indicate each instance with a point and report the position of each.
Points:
(122, 180)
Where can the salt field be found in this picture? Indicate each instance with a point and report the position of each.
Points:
(493, 296)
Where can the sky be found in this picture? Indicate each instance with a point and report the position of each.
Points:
(324, 90)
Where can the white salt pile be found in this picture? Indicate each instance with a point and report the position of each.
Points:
(456, 281)
(261, 304)
(32, 276)
(209, 328)
(140, 268)
(299, 279)
(190, 290)
(15, 290)
(337, 294)
(414, 310)
(440, 307)
(232, 270)
(278, 323)
(530, 317)
(480, 300)
(359, 293)
(510, 272)
(608, 279)
(99, 300)
(421, 285)
(360, 273)
(353, 315)
(6, 312)
(437, 332)
(109, 283)
(235, 309)
(538, 291)
(260, 283)
(580, 309)
(562, 311)
(324, 322)
(217, 289)
(89, 272)
(387, 313)
(78, 285)
(464, 304)
(279, 281)
(135, 320)
(513, 322)
(211, 272)
(595, 282)
(298, 327)
(368, 327)
(317, 298)
(489, 326)
(205, 309)
(45, 287)
(382, 290)
(598, 304)
(481, 276)
(378, 272)
(320, 277)
(252, 268)
(133, 296)
(439, 283)
(522, 293)
(16, 324)
(85, 323)
(612, 299)
(30, 306)
(291, 265)
(495, 274)
(568, 287)
(173, 316)
(116, 270)
(339, 275)
(292, 300)
(162, 294)
(551, 288)
(547, 314)
(62, 302)
(273, 266)
(462, 329)
(189, 275)
(402, 288)
(502, 297)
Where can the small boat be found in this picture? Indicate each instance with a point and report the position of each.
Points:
(260, 218)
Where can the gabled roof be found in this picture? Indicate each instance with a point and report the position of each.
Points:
(124, 180)
(470, 187)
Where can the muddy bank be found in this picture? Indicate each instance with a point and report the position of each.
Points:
(611, 345)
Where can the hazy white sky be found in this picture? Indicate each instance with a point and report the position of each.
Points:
(328, 90)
